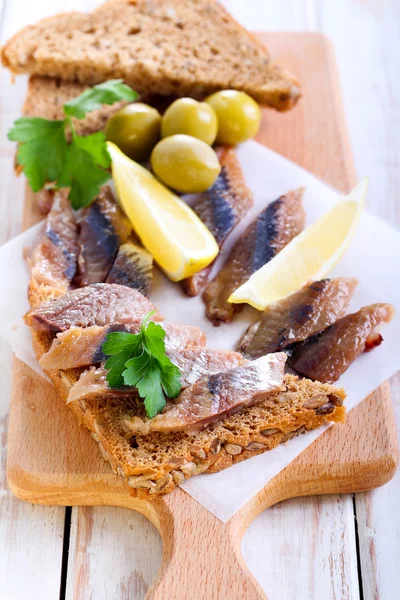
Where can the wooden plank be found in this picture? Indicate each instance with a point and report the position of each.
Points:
(114, 553)
(31, 537)
(379, 531)
(308, 552)
(371, 93)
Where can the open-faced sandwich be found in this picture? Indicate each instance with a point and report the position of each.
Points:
(161, 405)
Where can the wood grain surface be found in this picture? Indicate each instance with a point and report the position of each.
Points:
(360, 455)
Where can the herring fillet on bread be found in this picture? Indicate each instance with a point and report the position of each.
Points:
(169, 47)
(155, 464)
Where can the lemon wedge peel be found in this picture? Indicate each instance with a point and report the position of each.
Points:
(308, 257)
(169, 229)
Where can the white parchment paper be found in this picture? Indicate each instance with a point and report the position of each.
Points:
(373, 258)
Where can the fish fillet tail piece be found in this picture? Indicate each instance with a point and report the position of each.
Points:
(271, 231)
(93, 383)
(299, 316)
(133, 267)
(221, 208)
(53, 257)
(328, 354)
(98, 304)
(193, 285)
(81, 347)
(103, 228)
(218, 395)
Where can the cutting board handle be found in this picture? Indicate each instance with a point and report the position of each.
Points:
(202, 558)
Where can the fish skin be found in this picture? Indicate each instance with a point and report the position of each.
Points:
(221, 394)
(133, 267)
(82, 347)
(274, 227)
(194, 363)
(328, 354)
(220, 208)
(103, 228)
(53, 257)
(294, 319)
(97, 304)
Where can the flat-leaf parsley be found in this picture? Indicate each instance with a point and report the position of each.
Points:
(140, 360)
(46, 155)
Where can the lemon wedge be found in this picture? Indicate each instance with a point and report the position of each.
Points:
(168, 228)
(308, 257)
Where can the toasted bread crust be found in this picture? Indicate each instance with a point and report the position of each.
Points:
(156, 47)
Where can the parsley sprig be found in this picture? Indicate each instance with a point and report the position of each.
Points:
(46, 155)
(139, 360)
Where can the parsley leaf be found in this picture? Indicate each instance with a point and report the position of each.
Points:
(81, 173)
(93, 98)
(46, 156)
(140, 360)
(136, 368)
(95, 145)
(42, 150)
(150, 389)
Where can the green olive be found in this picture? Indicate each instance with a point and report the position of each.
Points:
(185, 163)
(238, 115)
(135, 129)
(190, 117)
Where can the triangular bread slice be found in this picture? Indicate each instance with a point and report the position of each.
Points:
(169, 47)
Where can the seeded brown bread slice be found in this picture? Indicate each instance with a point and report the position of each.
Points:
(157, 463)
(171, 47)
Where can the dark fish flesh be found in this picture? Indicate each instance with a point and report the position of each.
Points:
(193, 365)
(299, 316)
(133, 267)
(53, 258)
(221, 208)
(275, 227)
(219, 395)
(82, 347)
(98, 304)
(103, 228)
(328, 354)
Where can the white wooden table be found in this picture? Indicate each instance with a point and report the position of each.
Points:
(332, 547)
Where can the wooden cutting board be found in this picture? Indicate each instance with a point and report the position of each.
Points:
(52, 461)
